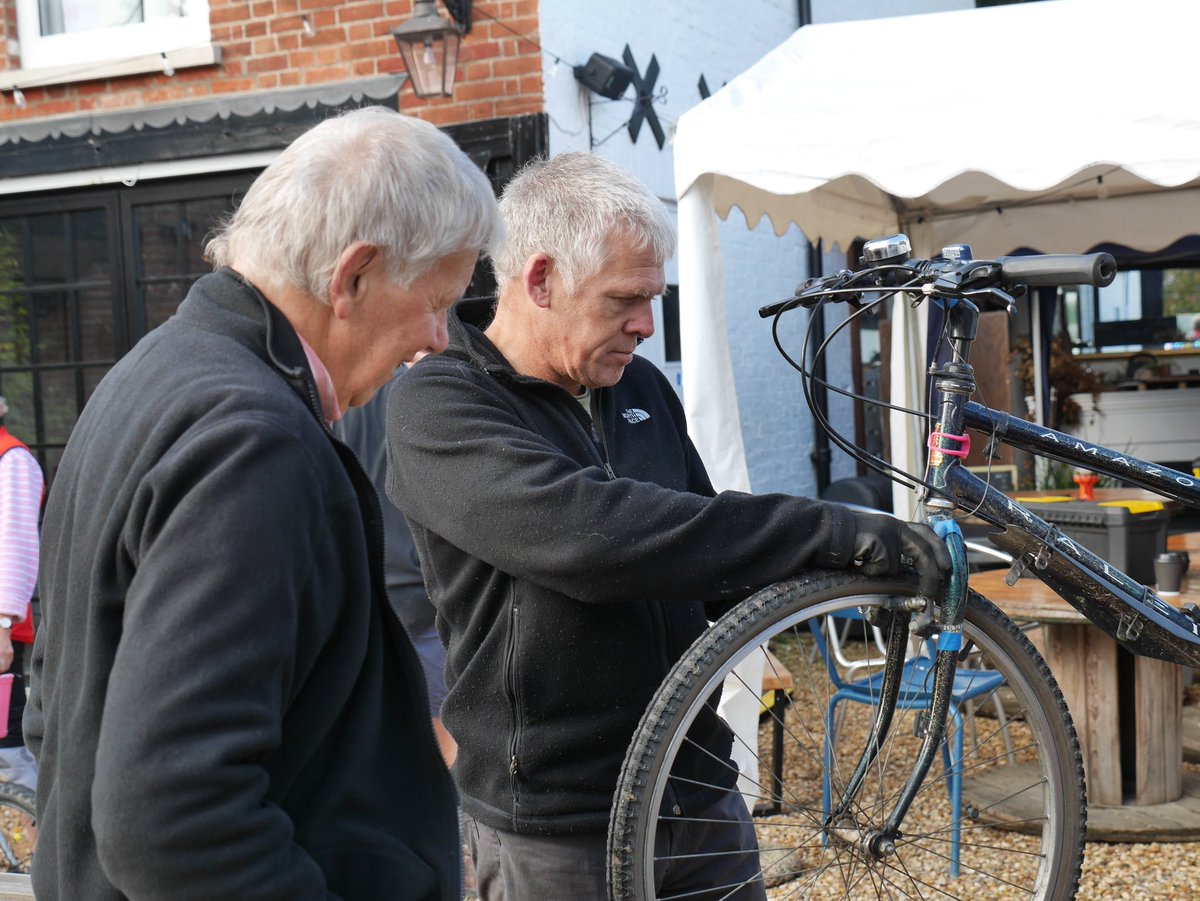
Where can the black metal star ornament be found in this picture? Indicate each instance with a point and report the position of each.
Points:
(643, 104)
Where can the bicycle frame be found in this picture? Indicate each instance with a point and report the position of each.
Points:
(1128, 611)
(1131, 613)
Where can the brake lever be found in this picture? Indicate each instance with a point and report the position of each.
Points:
(808, 293)
(772, 309)
(994, 296)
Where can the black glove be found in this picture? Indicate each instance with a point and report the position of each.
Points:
(885, 544)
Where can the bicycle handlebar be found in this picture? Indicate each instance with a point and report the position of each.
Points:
(1059, 269)
(953, 274)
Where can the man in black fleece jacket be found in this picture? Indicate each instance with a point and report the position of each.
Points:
(224, 705)
(569, 537)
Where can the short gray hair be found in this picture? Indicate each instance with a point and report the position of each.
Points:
(568, 206)
(370, 175)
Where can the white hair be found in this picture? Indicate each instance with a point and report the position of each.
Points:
(568, 207)
(370, 175)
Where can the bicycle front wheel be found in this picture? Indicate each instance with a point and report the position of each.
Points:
(1001, 813)
(18, 827)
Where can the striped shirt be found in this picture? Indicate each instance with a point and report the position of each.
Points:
(20, 500)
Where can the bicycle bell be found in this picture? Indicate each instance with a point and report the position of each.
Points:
(885, 250)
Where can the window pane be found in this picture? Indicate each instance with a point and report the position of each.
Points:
(12, 268)
(53, 328)
(62, 16)
(92, 260)
(157, 229)
(162, 300)
(49, 236)
(98, 342)
(14, 330)
(58, 404)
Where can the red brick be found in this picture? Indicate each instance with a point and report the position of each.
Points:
(264, 46)
(268, 81)
(475, 71)
(370, 49)
(289, 79)
(358, 13)
(364, 67)
(327, 55)
(263, 9)
(361, 31)
(267, 63)
(516, 65)
(398, 8)
(470, 51)
(235, 12)
(517, 106)
(477, 90)
(530, 85)
(254, 29)
(327, 74)
(232, 86)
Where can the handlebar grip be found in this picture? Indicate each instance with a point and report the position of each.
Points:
(1097, 269)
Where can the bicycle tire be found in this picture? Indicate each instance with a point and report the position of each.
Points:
(1024, 812)
(18, 827)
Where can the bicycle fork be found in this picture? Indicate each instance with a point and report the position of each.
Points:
(881, 843)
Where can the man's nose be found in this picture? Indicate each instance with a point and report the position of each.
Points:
(642, 324)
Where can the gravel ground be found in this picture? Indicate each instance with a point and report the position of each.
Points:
(1128, 872)
(1122, 872)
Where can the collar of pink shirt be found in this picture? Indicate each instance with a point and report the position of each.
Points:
(329, 401)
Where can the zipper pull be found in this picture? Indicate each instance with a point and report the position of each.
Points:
(512, 767)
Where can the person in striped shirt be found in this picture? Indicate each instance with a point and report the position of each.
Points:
(20, 500)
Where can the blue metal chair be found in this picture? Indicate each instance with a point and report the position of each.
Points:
(916, 693)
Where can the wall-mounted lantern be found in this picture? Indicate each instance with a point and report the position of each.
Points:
(429, 45)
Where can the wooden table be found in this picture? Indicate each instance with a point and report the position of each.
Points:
(1128, 710)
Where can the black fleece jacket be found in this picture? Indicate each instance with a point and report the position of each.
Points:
(223, 704)
(570, 565)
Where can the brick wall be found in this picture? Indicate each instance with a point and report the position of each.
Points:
(264, 48)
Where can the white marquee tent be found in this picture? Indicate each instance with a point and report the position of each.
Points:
(1055, 125)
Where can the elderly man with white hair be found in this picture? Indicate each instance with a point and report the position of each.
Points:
(223, 704)
(570, 539)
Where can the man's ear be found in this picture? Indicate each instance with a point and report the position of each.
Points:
(347, 286)
(536, 277)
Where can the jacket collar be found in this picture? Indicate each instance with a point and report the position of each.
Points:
(225, 302)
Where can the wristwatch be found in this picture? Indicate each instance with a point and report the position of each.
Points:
(5, 622)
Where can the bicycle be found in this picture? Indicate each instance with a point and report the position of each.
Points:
(858, 808)
(18, 827)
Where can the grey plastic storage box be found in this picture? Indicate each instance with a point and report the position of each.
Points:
(1127, 540)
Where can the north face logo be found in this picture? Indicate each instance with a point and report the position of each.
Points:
(634, 415)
